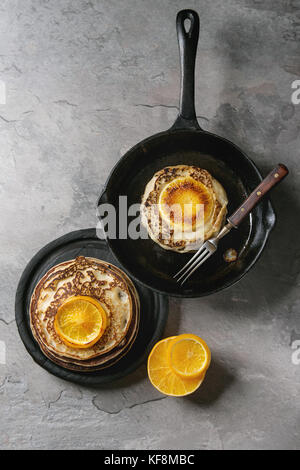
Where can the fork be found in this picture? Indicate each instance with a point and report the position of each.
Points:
(211, 245)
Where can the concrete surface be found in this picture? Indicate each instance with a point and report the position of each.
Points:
(85, 80)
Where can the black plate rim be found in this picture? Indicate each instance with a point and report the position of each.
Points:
(33, 348)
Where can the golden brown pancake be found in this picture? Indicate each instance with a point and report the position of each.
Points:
(183, 206)
(105, 360)
(109, 358)
(97, 279)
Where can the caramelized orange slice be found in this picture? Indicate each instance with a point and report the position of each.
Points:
(185, 201)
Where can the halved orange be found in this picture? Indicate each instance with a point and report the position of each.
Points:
(80, 321)
(189, 356)
(162, 376)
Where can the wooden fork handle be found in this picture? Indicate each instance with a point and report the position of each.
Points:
(273, 178)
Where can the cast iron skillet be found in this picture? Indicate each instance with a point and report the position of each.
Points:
(186, 143)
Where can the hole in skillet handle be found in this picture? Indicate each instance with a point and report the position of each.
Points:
(187, 25)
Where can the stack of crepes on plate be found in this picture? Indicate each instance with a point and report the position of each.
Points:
(84, 314)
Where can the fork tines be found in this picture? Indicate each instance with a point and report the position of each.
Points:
(199, 258)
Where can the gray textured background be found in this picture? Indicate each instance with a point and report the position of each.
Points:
(85, 81)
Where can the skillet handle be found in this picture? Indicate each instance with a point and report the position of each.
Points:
(188, 42)
(273, 178)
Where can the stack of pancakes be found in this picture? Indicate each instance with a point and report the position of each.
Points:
(182, 207)
(110, 287)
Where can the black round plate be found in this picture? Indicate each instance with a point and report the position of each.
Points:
(154, 308)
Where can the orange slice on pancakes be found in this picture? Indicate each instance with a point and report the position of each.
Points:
(80, 321)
